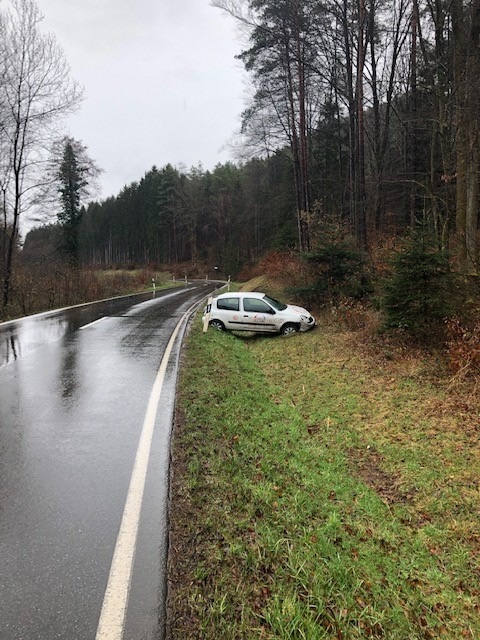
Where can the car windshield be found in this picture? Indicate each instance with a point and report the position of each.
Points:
(279, 306)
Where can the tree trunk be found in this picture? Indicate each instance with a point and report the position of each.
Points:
(412, 118)
(352, 119)
(471, 214)
(466, 70)
(360, 199)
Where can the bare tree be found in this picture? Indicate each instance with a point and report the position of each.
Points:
(388, 27)
(280, 57)
(35, 92)
(360, 221)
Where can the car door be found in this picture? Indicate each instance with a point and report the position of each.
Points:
(228, 311)
(258, 316)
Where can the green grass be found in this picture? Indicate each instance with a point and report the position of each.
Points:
(319, 494)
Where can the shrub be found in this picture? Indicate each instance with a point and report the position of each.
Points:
(417, 296)
(337, 267)
(340, 271)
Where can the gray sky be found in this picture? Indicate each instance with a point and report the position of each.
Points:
(161, 83)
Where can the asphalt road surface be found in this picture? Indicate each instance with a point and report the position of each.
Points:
(86, 402)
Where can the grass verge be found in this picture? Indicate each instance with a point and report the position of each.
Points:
(321, 491)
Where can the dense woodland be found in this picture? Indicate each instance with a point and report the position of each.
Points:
(365, 112)
(226, 217)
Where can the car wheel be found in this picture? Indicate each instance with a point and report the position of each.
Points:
(217, 324)
(288, 329)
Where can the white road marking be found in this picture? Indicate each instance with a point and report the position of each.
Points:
(112, 616)
(90, 324)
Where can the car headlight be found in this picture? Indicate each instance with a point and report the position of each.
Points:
(305, 319)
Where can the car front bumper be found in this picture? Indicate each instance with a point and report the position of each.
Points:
(306, 325)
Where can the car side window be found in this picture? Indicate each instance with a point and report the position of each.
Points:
(254, 305)
(229, 304)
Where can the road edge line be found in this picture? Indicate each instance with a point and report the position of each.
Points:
(114, 607)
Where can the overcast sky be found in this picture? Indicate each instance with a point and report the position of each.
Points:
(161, 82)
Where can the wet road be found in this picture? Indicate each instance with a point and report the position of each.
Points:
(74, 390)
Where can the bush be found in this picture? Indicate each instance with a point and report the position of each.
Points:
(337, 267)
(418, 294)
(340, 271)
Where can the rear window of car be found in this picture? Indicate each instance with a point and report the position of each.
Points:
(230, 304)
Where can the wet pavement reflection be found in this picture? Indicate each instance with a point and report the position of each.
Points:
(74, 387)
(19, 337)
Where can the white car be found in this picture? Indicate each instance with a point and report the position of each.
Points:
(254, 311)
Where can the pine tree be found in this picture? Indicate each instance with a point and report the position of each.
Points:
(74, 178)
(418, 294)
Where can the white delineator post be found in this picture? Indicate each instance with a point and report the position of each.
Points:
(206, 319)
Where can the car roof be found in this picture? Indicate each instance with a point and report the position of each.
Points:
(242, 294)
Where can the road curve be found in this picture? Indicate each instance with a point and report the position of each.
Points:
(75, 402)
